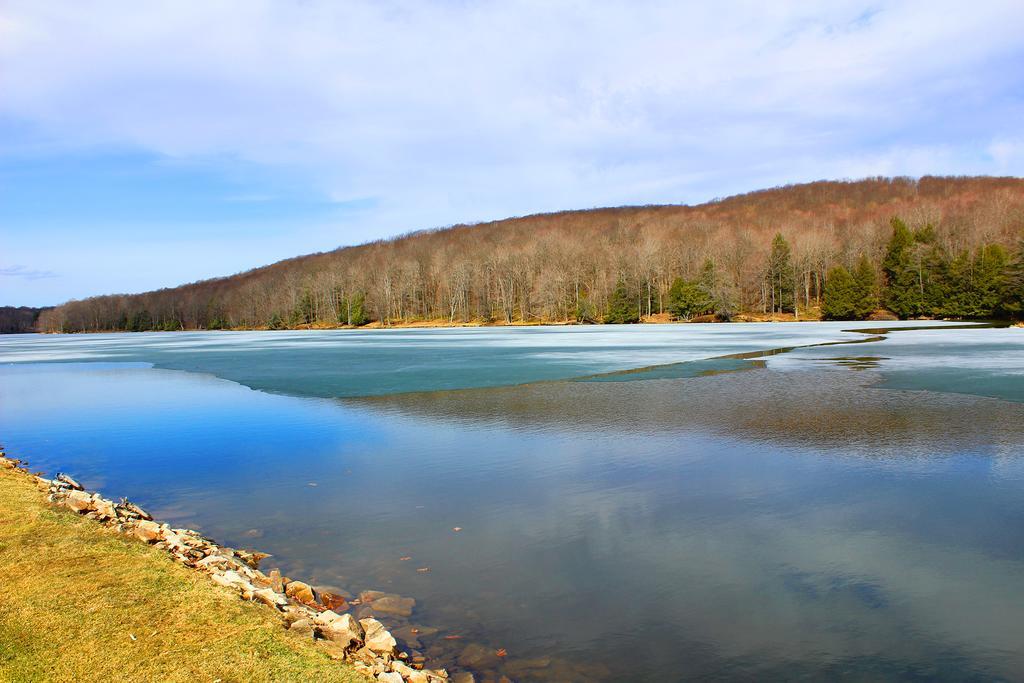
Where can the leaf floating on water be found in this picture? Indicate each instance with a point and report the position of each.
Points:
(404, 559)
(502, 652)
(453, 637)
(457, 528)
(423, 570)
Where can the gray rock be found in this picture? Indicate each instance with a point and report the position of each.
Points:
(79, 501)
(377, 638)
(345, 631)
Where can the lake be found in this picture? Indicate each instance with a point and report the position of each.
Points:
(649, 503)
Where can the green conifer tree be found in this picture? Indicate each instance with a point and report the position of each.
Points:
(687, 298)
(903, 292)
(865, 292)
(1013, 288)
(622, 306)
(840, 295)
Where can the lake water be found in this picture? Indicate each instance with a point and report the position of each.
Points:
(847, 512)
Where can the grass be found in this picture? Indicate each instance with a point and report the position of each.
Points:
(81, 602)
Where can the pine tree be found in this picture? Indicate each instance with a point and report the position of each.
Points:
(840, 295)
(1013, 288)
(585, 311)
(903, 292)
(687, 298)
(865, 294)
(352, 310)
(780, 275)
(622, 306)
(990, 275)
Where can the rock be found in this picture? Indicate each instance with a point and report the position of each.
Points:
(275, 580)
(478, 657)
(65, 479)
(418, 677)
(79, 501)
(364, 612)
(333, 601)
(234, 580)
(134, 510)
(394, 604)
(105, 508)
(269, 598)
(462, 677)
(147, 531)
(292, 614)
(377, 637)
(345, 631)
(370, 596)
(527, 668)
(302, 592)
(406, 635)
(390, 677)
(326, 617)
(304, 627)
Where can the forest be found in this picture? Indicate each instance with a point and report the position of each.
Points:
(930, 247)
(18, 319)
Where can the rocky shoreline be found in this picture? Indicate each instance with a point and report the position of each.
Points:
(322, 616)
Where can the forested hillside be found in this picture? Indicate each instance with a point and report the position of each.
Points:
(929, 247)
(16, 319)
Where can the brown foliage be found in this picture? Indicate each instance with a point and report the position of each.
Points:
(546, 267)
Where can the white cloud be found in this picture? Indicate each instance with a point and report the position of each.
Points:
(449, 111)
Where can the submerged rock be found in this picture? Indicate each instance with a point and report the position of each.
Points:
(478, 657)
(394, 604)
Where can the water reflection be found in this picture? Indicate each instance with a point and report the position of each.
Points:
(753, 524)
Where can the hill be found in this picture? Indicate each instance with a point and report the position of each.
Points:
(598, 264)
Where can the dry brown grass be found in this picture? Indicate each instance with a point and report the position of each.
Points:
(82, 603)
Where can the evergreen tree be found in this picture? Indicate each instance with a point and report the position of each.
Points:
(622, 306)
(903, 292)
(352, 310)
(840, 295)
(276, 323)
(305, 309)
(1013, 288)
(991, 268)
(687, 299)
(865, 292)
(780, 276)
(585, 311)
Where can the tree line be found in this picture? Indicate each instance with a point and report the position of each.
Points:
(831, 247)
(19, 319)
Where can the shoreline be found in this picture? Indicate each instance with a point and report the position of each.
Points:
(320, 616)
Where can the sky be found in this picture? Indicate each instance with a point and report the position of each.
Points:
(145, 145)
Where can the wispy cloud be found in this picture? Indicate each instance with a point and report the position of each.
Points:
(451, 111)
(26, 273)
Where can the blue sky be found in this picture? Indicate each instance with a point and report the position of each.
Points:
(147, 145)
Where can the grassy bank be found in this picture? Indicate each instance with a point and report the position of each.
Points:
(80, 602)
